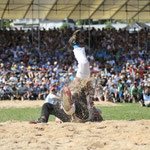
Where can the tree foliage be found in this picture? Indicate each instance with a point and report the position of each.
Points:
(5, 23)
(109, 25)
(65, 25)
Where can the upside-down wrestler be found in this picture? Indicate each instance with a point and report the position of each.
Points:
(75, 100)
(76, 97)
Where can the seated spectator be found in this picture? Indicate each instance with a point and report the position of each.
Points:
(120, 89)
(114, 92)
(30, 73)
(141, 88)
(7, 91)
(22, 89)
(36, 91)
(145, 97)
(108, 96)
(99, 94)
(13, 78)
(31, 95)
(106, 88)
(126, 95)
(14, 92)
(2, 93)
(66, 80)
(129, 81)
(134, 93)
(43, 92)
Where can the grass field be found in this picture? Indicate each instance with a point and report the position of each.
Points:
(124, 112)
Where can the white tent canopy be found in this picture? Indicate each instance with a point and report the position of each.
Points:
(75, 9)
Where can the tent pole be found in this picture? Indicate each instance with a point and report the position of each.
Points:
(126, 20)
(89, 39)
(38, 25)
(1, 24)
(32, 25)
(139, 30)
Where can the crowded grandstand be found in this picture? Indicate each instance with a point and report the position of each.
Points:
(119, 65)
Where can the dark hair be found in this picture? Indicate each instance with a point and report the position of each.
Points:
(147, 87)
(54, 90)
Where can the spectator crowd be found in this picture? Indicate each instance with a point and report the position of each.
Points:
(119, 63)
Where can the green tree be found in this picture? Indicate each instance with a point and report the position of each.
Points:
(65, 25)
(109, 25)
(84, 22)
(80, 22)
(6, 23)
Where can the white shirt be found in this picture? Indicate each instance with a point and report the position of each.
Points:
(51, 98)
(146, 98)
(112, 89)
(111, 62)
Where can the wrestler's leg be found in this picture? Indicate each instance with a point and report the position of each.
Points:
(67, 102)
(83, 71)
(59, 113)
(49, 109)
